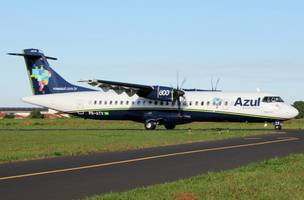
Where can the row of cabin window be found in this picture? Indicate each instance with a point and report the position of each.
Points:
(167, 103)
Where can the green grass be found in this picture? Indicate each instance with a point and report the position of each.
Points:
(78, 123)
(23, 145)
(38, 138)
(278, 179)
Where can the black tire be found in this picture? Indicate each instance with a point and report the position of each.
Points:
(169, 126)
(278, 127)
(150, 125)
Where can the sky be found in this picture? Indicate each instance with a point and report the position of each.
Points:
(246, 44)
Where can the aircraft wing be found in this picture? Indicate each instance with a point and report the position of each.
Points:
(119, 87)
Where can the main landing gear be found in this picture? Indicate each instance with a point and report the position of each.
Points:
(151, 125)
(170, 126)
(277, 125)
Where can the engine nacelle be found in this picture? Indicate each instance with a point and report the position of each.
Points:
(161, 93)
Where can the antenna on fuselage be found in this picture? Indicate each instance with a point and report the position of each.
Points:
(214, 86)
(217, 82)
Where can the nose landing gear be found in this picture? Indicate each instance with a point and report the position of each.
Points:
(277, 125)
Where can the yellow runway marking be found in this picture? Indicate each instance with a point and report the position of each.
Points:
(145, 158)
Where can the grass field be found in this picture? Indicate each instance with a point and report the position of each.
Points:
(278, 179)
(35, 139)
(77, 123)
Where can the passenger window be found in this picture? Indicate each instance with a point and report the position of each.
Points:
(100, 102)
(111, 102)
(150, 102)
(105, 102)
(226, 103)
(127, 102)
(121, 102)
(116, 102)
(161, 103)
(196, 103)
(202, 103)
(208, 103)
(95, 102)
(190, 103)
(138, 102)
(155, 102)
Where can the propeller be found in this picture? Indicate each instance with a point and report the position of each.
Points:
(178, 93)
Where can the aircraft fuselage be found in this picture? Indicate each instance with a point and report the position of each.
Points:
(195, 106)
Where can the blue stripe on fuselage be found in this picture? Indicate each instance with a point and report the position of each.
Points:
(143, 115)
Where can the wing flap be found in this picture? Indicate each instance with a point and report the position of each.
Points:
(119, 87)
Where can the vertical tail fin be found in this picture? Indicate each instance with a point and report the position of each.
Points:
(43, 79)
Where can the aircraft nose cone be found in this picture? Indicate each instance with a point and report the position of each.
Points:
(293, 112)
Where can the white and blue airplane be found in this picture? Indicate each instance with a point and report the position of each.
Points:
(151, 105)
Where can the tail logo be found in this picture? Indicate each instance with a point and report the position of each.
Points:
(41, 75)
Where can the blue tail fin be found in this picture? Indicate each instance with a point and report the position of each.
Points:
(43, 79)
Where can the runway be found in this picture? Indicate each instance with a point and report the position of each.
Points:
(81, 176)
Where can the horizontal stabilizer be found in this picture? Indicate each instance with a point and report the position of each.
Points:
(23, 54)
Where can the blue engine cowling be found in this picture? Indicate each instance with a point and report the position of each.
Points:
(161, 93)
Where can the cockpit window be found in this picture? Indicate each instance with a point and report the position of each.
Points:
(271, 99)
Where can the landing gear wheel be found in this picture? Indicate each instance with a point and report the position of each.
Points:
(278, 127)
(150, 125)
(169, 126)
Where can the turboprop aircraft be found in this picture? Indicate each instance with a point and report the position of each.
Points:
(151, 105)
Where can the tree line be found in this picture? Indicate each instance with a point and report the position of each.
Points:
(299, 105)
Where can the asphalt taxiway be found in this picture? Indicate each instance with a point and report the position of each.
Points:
(80, 176)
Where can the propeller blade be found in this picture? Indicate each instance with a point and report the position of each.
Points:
(177, 80)
(178, 93)
(183, 82)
